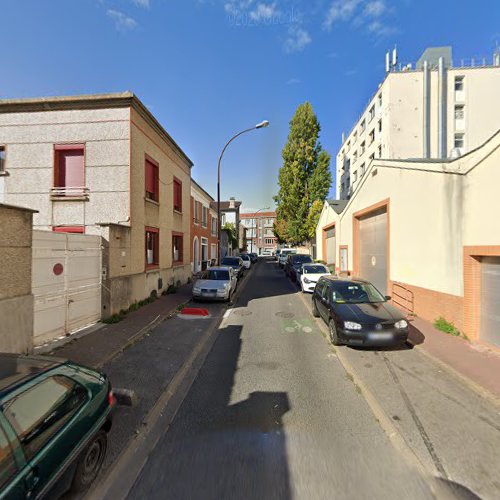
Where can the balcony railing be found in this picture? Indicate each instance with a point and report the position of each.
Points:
(80, 193)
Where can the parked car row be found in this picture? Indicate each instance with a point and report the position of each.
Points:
(220, 282)
(355, 311)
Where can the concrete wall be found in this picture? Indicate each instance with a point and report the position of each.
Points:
(30, 138)
(16, 300)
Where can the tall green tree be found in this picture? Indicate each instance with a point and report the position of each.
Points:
(304, 179)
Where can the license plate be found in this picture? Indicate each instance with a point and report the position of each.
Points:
(380, 336)
(208, 294)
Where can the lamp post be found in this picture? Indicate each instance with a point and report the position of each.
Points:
(263, 124)
(256, 224)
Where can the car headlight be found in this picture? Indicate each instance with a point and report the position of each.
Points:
(197, 289)
(351, 325)
(401, 324)
(307, 280)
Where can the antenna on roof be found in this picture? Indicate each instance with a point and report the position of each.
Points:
(387, 61)
(394, 56)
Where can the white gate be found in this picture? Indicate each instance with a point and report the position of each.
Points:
(66, 283)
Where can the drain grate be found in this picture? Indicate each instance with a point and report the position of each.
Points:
(285, 314)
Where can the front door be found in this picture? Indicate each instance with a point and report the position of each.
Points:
(196, 256)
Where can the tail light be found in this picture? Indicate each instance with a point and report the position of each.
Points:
(111, 398)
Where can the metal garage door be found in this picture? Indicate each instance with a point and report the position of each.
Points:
(330, 246)
(373, 249)
(490, 300)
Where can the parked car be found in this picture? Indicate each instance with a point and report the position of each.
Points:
(293, 264)
(285, 252)
(309, 274)
(247, 261)
(54, 419)
(357, 313)
(236, 263)
(217, 283)
(254, 257)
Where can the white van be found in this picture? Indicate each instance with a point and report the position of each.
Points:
(285, 252)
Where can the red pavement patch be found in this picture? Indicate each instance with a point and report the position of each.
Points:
(195, 311)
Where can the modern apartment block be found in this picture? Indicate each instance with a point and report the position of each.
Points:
(103, 165)
(260, 233)
(438, 109)
(203, 228)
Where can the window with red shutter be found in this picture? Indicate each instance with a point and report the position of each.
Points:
(69, 170)
(152, 247)
(177, 248)
(152, 181)
(177, 195)
(69, 229)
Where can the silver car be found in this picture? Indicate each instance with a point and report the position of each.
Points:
(216, 283)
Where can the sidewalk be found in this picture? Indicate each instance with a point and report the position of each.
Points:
(472, 361)
(103, 344)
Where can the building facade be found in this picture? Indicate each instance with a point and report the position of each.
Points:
(203, 229)
(260, 232)
(434, 110)
(103, 165)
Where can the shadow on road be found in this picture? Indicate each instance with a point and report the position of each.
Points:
(217, 449)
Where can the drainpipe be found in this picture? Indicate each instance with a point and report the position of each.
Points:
(442, 93)
(426, 112)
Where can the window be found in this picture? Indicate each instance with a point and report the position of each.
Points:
(177, 247)
(69, 229)
(459, 140)
(459, 83)
(380, 100)
(380, 151)
(348, 146)
(363, 126)
(177, 195)
(459, 112)
(196, 212)
(363, 147)
(355, 157)
(362, 170)
(372, 156)
(8, 467)
(269, 241)
(69, 170)
(152, 180)
(372, 136)
(372, 113)
(204, 217)
(2, 161)
(38, 413)
(152, 246)
(380, 125)
(355, 137)
(214, 226)
(213, 251)
(355, 176)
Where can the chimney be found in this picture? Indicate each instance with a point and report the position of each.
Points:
(231, 202)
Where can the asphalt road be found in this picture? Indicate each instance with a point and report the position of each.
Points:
(273, 414)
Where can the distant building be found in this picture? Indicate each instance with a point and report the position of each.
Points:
(260, 232)
(438, 109)
(203, 228)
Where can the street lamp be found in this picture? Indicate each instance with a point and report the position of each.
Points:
(262, 124)
(256, 225)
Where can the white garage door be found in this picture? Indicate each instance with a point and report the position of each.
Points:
(490, 300)
(373, 249)
(330, 246)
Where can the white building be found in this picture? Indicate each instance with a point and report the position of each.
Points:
(436, 110)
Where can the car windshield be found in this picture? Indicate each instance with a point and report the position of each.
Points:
(356, 293)
(315, 269)
(300, 259)
(216, 274)
(230, 261)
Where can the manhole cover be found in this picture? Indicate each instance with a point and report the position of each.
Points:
(284, 315)
(242, 313)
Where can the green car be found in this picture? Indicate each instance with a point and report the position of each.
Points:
(54, 420)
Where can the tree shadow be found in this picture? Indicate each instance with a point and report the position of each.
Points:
(216, 448)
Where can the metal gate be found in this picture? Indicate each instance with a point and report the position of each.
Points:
(330, 246)
(66, 283)
(490, 300)
(373, 249)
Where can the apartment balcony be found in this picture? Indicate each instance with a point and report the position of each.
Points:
(70, 193)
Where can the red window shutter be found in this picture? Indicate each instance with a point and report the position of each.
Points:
(150, 179)
(69, 229)
(70, 168)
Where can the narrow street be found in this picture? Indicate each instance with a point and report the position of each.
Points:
(273, 414)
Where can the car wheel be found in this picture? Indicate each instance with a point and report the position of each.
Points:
(334, 338)
(90, 462)
(315, 311)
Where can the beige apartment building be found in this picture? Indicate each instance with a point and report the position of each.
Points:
(437, 109)
(103, 165)
(259, 228)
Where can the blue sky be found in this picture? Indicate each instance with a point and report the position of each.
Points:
(209, 68)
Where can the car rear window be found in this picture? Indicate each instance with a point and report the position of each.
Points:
(230, 261)
(8, 467)
(38, 413)
(301, 258)
(217, 275)
(315, 269)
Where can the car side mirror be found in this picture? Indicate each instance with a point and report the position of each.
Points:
(387, 297)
